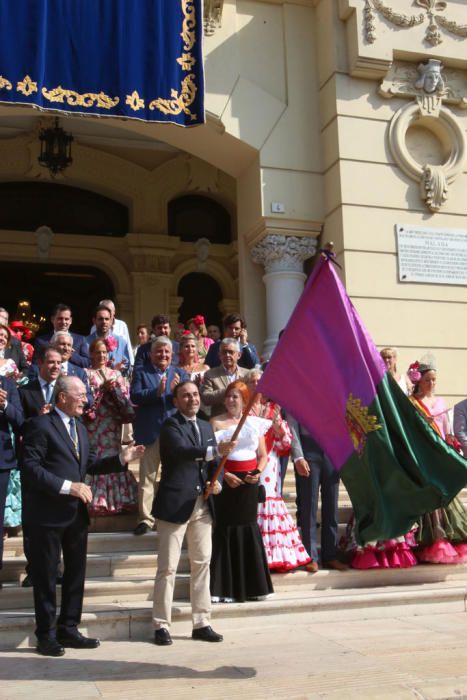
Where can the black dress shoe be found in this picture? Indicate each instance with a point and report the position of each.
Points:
(77, 641)
(141, 529)
(26, 583)
(49, 647)
(162, 637)
(206, 634)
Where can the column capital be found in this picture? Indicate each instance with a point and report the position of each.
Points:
(281, 253)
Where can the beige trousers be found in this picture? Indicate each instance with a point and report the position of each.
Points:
(148, 470)
(198, 531)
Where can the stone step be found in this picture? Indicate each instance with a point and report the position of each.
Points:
(133, 619)
(123, 589)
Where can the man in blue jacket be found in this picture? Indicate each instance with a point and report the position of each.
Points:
(151, 391)
(234, 327)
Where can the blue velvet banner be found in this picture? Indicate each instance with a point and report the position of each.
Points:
(138, 59)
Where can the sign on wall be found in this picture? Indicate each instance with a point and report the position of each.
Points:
(436, 256)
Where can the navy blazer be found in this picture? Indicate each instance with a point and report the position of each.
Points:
(184, 469)
(80, 356)
(151, 409)
(73, 371)
(11, 419)
(49, 458)
(32, 398)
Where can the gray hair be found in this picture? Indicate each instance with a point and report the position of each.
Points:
(64, 383)
(56, 336)
(230, 341)
(108, 302)
(161, 340)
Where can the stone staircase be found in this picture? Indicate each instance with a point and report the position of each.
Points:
(120, 576)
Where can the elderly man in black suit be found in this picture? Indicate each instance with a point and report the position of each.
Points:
(56, 458)
(187, 448)
(11, 418)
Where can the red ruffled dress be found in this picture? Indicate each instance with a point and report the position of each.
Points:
(284, 548)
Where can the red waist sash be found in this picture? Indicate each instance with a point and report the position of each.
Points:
(232, 465)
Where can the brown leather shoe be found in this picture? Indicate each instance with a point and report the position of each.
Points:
(312, 567)
(335, 564)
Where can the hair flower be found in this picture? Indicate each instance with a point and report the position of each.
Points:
(111, 343)
(414, 373)
(199, 320)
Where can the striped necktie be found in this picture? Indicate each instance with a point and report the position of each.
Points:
(74, 436)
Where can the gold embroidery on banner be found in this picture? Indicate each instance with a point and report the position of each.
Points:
(359, 423)
(74, 99)
(5, 84)
(134, 101)
(187, 61)
(179, 102)
(27, 86)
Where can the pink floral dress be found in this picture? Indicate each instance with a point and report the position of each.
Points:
(284, 548)
(118, 492)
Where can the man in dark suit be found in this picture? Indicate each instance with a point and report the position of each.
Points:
(61, 320)
(314, 473)
(152, 392)
(62, 341)
(36, 400)
(11, 417)
(187, 447)
(56, 457)
(234, 326)
(160, 326)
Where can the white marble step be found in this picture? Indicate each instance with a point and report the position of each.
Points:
(132, 620)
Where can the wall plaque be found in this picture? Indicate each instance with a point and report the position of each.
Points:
(436, 256)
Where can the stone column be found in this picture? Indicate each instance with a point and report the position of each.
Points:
(282, 257)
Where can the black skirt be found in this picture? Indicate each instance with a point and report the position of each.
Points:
(239, 567)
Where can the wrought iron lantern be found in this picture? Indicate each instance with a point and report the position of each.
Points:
(55, 148)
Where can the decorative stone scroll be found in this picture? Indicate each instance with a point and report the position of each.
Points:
(212, 16)
(430, 14)
(430, 87)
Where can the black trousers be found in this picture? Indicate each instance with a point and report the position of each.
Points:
(45, 546)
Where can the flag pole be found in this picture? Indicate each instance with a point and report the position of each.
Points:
(240, 425)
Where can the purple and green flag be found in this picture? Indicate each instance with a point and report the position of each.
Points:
(327, 372)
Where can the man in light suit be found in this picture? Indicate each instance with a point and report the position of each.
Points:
(187, 447)
(61, 320)
(56, 457)
(216, 381)
(11, 417)
(151, 391)
(460, 424)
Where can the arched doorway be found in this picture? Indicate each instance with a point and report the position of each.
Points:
(45, 285)
(201, 295)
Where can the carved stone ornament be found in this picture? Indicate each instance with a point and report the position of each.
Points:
(212, 16)
(202, 247)
(44, 236)
(430, 15)
(280, 253)
(430, 86)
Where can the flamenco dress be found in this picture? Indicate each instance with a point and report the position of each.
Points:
(118, 492)
(442, 534)
(282, 543)
(239, 567)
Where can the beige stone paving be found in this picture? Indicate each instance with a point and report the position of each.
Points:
(287, 657)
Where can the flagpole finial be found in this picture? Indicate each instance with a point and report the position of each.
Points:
(328, 253)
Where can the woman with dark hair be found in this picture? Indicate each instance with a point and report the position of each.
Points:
(111, 408)
(239, 567)
(442, 534)
(8, 367)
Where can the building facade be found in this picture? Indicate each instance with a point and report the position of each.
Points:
(327, 120)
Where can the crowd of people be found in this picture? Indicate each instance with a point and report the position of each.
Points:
(176, 404)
